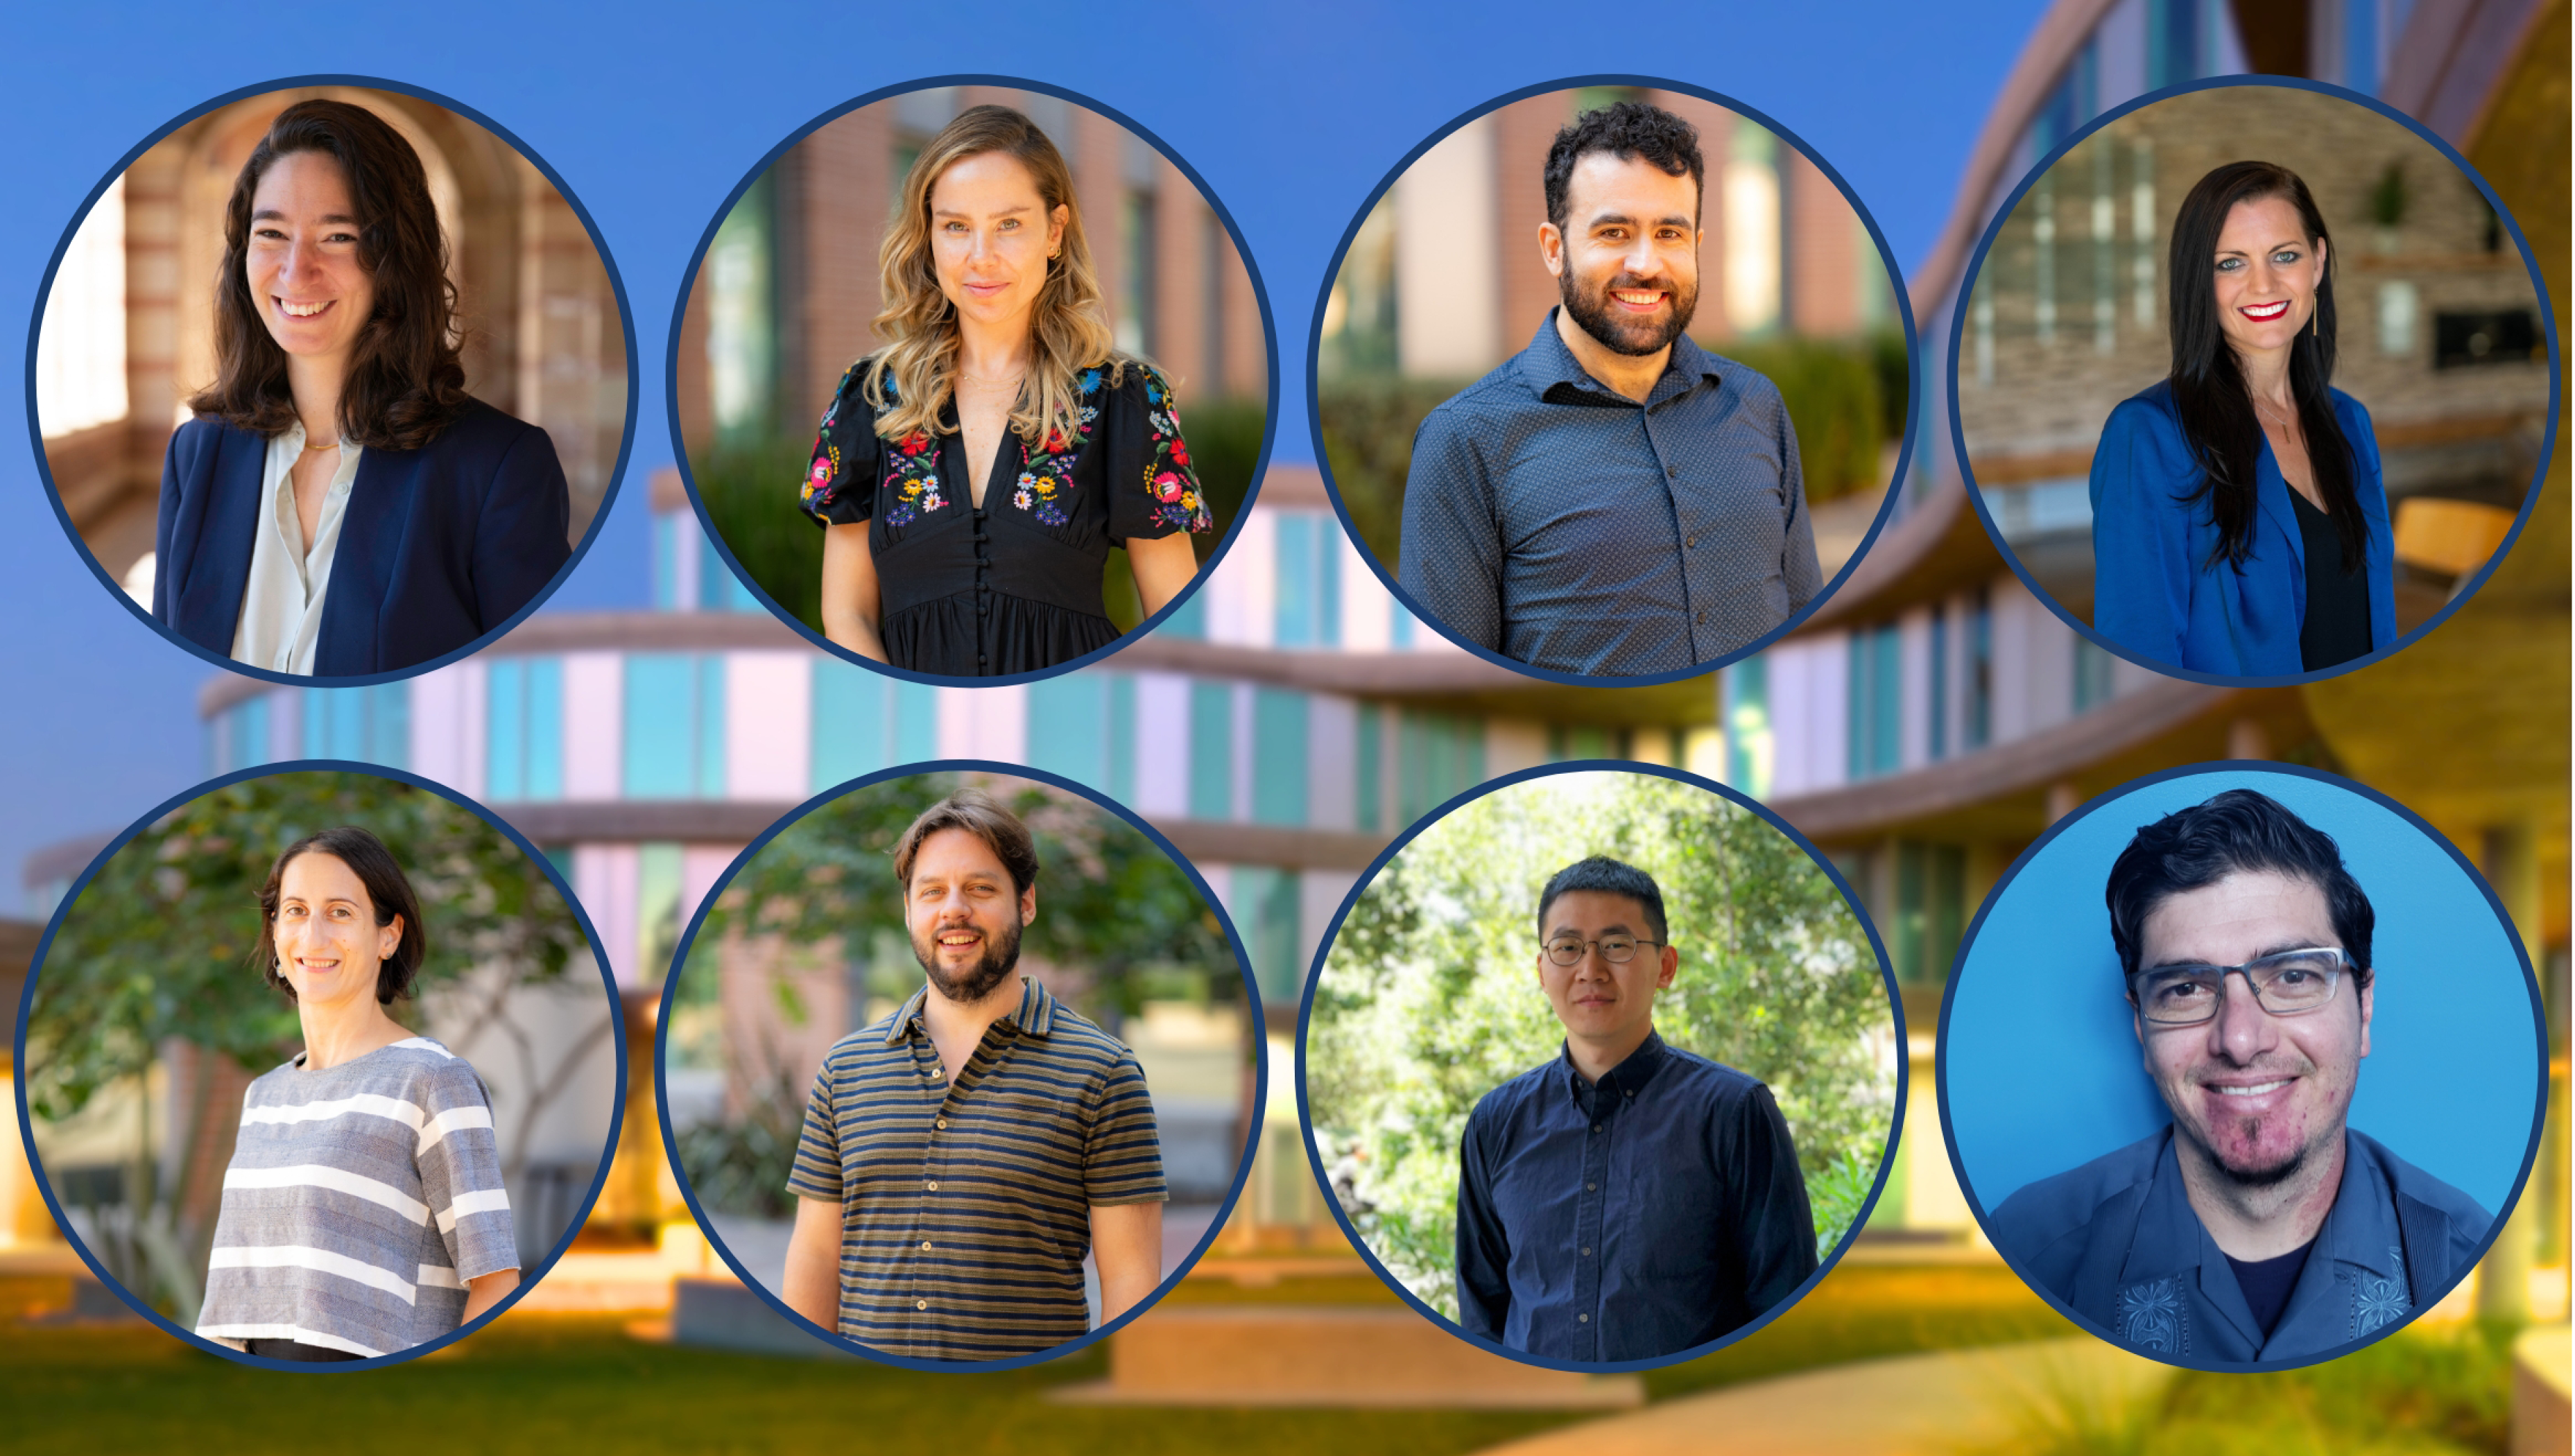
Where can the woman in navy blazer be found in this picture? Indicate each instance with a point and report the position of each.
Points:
(2239, 520)
(425, 519)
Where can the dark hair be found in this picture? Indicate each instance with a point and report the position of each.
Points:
(388, 889)
(406, 382)
(1627, 130)
(2235, 832)
(2209, 394)
(1605, 875)
(980, 814)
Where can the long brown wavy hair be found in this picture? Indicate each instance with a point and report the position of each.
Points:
(1069, 329)
(406, 382)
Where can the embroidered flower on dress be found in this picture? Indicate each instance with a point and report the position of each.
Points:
(2150, 1315)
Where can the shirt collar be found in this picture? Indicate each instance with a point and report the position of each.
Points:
(1553, 373)
(1035, 1014)
(1629, 1076)
(2359, 1229)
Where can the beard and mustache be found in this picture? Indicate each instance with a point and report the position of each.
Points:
(975, 980)
(1592, 311)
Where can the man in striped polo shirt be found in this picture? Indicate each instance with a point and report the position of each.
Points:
(960, 1156)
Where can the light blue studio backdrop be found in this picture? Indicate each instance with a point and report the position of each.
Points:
(651, 113)
(2040, 1060)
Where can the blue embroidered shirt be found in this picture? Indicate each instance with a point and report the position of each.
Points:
(1646, 1214)
(2118, 1241)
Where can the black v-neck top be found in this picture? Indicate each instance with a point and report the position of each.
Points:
(2337, 626)
(1014, 585)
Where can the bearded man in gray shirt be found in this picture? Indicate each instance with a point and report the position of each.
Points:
(1615, 499)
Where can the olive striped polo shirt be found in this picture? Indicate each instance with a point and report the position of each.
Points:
(966, 1209)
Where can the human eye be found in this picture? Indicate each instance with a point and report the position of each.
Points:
(2179, 989)
(2229, 265)
(1616, 948)
(2285, 255)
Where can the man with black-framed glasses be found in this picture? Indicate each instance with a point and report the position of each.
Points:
(1629, 1199)
(2259, 1226)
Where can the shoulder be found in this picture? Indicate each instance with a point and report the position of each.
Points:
(1751, 385)
(2143, 436)
(2351, 414)
(1074, 1038)
(194, 444)
(482, 433)
(1497, 394)
(858, 1045)
(2149, 409)
(2042, 1213)
(1507, 1100)
(1696, 1076)
(2466, 1214)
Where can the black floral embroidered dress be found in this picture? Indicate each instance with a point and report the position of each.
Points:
(1014, 587)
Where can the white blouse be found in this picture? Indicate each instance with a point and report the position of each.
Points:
(281, 615)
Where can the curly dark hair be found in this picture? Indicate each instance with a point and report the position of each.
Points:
(2237, 832)
(1605, 876)
(405, 378)
(1626, 130)
(388, 890)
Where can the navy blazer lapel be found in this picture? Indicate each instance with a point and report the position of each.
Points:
(362, 569)
(216, 577)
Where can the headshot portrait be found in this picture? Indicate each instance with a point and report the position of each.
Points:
(2251, 382)
(1600, 1068)
(1001, 480)
(2295, 1067)
(1610, 381)
(320, 1067)
(330, 379)
(959, 1067)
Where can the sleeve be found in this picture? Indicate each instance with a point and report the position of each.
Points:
(2141, 552)
(1483, 1248)
(1771, 1223)
(1153, 484)
(1122, 1155)
(1797, 565)
(2369, 487)
(165, 526)
(841, 483)
(459, 1159)
(1450, 557)
(816, 1173)
(522, 536)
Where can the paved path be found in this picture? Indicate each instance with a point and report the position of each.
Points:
(1913, 1405)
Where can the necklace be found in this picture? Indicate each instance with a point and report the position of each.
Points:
(964, 372)
(2262, 407)
(310, 448)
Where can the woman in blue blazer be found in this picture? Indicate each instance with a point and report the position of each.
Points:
(2239, 522)
(340, 506)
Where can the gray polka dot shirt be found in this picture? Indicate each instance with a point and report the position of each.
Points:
(1557, 522)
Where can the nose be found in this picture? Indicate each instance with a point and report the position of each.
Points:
(2241, 1030)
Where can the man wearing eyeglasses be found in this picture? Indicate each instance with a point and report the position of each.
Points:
(2259, 1226)
(1629, 1199)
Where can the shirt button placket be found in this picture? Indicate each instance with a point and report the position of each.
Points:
(1588, 1231)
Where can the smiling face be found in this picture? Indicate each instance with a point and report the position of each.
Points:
(991, 237)
(1626, 260)
(329, 946)
(1601, 1004)
(964, 917)
(301, 258)
(2268, 271)
(2257, 1095)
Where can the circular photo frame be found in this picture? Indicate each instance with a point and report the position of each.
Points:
(803, 1054)
(367, 1211)
(2263, 1185)
(1820, 407)
(2078, 427)
(440, 535)
(1551, 1155)
(786, 289)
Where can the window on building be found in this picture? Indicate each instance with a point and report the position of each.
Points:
(1280, 729)
(1437, 758)
(2092, 668)
(1308, 579)
(1368, 808)
(1979, 684)
(658, 891)
(675, 740)
(80, 350)
(1930, 908)
(1748, 745)
(237, 737)
(2174, 41)
(1752, 221)
(742, 317)
(850, 733)
(1875, 702)
(2106, 244)
(1359, 333)
(1210, 751)
(1074, 709)
(1940, 684)
(1265, 908)
(367, 724)
(2042, 236)
(2141, 233)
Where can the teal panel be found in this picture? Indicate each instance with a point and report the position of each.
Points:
(850, 722)
(1299, 620)
(250, 733)
(656, 913)
(1189, 620)
(1278, 736)
(1265, 907)
(1068, 726)
(915, 723)
(1327, 584)
(660, 724)
(1210, 751)
(710, 746)
(505, 731)
(1369, 771)
(666, 561)
(545, 729)
(1121, 737)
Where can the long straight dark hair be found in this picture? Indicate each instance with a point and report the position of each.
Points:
(2208, 388)
(406, 382)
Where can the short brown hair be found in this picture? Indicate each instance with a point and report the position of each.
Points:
(980, 814)
(388, 890)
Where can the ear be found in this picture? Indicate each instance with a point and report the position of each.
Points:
(1672, 963)
(1056, 222)
(2369, 994)
(1028, 905)
(389, 939)
(1551, 248)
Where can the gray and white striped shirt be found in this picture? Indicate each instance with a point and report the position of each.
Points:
(360, 1201)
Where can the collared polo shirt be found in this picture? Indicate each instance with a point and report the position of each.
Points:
(1646, 1214)
(966, 1208)
(1552, 520)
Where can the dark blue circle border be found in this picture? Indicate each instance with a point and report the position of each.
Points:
(1258, 1032)
(2466, 590)
(2530, 981)
(581, 917)
(1241, 250)
(1904, 450)
(624, 321)
(1887, 975)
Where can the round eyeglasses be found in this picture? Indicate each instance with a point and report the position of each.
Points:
(1616, 949)
(2286, 985)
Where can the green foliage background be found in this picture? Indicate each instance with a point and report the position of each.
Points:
(1429, 998)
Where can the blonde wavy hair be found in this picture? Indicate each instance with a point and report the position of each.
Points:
(1068, 334)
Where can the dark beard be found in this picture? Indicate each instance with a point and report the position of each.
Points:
(1000, 956)
(1591, 313)
(2262, 1177)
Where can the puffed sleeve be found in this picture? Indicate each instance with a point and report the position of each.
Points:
(2142, 476)
(1451, 558)
(459, 1159)
(841, 483)
(1152, 484)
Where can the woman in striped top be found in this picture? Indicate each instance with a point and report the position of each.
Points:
(363, 1213)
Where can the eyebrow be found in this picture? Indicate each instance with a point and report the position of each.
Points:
(2282, 948)
(270, 214)
(1562, 930)
(2272, 248)
(1615, 219)
(950, 212)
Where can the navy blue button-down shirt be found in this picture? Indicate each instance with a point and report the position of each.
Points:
(1554, 521)
(1645, 1215)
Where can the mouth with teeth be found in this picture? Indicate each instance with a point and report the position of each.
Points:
(1638, 300)
(294, 310)
(2265, 312)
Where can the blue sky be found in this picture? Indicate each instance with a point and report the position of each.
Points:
(1292, 119)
